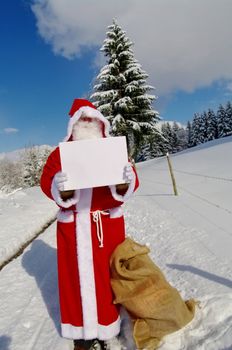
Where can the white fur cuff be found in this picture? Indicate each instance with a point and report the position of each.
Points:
(127, 195)
(57, 198)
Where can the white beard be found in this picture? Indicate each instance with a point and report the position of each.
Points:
(83, 130)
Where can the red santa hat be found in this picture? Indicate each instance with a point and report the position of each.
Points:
(82, 106)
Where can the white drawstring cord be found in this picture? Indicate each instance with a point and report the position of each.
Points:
(97, 219)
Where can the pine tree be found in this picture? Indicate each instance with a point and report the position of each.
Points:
(223, 122)
(189, 134)
(121, 92)
(203, 127)
(167, 134)
(198, 134)
(229, 117)
(182, 135)
(179, 138)
(202, 136)
(154, 146)
(211, 125)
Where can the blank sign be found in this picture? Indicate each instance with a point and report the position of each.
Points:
(93, 163)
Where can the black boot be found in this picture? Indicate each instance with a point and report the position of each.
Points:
(95, 344)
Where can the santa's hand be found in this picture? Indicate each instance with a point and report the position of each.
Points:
(59, 179)
(128, 173)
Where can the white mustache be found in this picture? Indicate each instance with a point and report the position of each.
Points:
(87, 130)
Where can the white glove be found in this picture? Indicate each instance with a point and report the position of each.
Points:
(128, 173)
(59, 179)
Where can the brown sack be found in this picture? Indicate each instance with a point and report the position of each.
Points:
(156, 308)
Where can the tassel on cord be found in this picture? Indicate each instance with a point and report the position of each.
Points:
(97, 219)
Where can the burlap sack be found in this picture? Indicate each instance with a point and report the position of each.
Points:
(156, 308)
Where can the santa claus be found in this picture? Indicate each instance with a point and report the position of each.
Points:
(90, 224)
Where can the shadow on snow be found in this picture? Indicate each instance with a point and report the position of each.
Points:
(5, 342)
(41, 263)
(210, 276)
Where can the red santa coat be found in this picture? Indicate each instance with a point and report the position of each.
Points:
(89, 227)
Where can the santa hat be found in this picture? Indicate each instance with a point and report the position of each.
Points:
(81, 106)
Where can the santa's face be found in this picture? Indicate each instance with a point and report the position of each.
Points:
(87, 128)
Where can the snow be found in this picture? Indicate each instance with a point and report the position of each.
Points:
(29, 300)
(190, 238)
(23, 214)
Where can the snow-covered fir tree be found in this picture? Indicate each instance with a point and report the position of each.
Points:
(189, 135)
(154, 145)
(197, 130)
(175, 136)
(179, 138)
(122, 94)
(167, 133)
(211, 125)
(229, 116)
(203, 127)
(175, 141)
(223, 122)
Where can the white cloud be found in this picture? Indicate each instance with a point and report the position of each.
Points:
(182, 44)
(10, 131)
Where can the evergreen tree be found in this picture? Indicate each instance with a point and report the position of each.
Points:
(229, 117)
(203, 137)
(167, 134)
(211, 125)
(197, 130)
(121, 92)
(179, 138)
(223, 122)
(182, 138)
(176, 137)
(154, 145)
(189, 134)
(175, 142)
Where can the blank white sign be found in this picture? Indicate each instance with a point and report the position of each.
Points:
(93, 163)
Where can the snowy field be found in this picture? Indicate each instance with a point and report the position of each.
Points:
(190, 238)
(23, 214)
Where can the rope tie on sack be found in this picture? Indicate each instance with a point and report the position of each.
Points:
(97, 219)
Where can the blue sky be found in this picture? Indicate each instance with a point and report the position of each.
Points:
(42, 69)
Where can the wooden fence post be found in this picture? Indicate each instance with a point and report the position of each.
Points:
(172, 175)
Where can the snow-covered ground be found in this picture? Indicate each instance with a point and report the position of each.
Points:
(23, 214)
(190, 238)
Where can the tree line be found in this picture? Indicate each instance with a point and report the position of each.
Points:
(24, 171)
(210, 125)
(206, 126)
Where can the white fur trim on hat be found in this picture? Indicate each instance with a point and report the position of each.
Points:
(89, 112)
